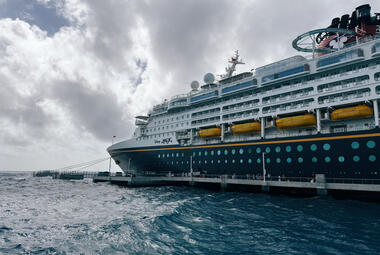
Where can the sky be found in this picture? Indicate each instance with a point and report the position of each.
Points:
(74, 73)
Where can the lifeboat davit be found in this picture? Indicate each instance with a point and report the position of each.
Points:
(246, 128)
(349, 113)
(300, 121)
(210, 132)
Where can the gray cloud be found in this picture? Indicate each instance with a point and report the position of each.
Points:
(96, 112)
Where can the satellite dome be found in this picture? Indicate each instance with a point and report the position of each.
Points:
(208, 78)
(194, 85)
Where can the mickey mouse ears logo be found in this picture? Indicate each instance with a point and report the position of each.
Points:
(335, 44)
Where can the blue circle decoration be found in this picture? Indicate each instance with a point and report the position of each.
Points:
(326, 146)
(372, 158)
(371, 144)
(355, 145)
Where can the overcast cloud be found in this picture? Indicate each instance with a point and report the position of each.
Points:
(73, 73)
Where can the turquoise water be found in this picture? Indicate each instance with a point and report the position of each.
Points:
(46, 216)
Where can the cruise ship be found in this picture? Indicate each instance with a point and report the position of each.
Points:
(298, 117)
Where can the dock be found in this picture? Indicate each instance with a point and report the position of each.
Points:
(320, 185)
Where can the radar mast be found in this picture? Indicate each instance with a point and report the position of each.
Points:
(231, 69)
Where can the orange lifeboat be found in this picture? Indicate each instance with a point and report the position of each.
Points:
(210, 132)
(300, 121)
(349, 113)
(246, 128)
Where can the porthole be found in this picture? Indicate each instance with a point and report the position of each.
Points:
(289, 160)
(355, 145)
(193, 153)
(278, 149)
(233, 151)
(177, 155)
(183, 154)
(225, 161)
(249, 161)
(172, 155)
(356, 158)
(219, 152)
(163, 155)
(300, 160)
(241, 151)
(313, 147)
(267, 149)
(278, 160)
(258, 161)
(218, 161)
(167, 155)
(327, 159)
(159, 156)
(341, 159)
(372, 158)
(371, 144)
(212, 153)
(241, 161)
(258, 150)
(200, 162)
(205, 161)
(268, 160)
(206, 153)
(288, 149)
(177, 162)
(326, 146)
(233, 161)
(249, 150)
(200, 153)
(226, 152)
(212, 161)
(314, 159)
(299, 148)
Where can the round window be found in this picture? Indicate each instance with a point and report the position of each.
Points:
(258, 161)
(225, 152)
(267, 149)
(356, 158)
(327, 159)
(233, 151)
(278, 149)
(313, 147)
(371, 144)
(372, 158)
(258, 150)
(289, 160)
(299, 148)
(249, 161)
(288, 148)
(326, 146)
(219, 152)
(314, 159)
(355, 145)
(278, 160)
(341, 159)
(241, 151)
(300, 160)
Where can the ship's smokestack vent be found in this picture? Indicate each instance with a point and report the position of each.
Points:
(344, 21)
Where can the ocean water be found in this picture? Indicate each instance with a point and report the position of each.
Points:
(46, 216)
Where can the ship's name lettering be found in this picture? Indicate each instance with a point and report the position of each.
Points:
(164, 141)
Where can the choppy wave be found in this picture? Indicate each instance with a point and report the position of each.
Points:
(46, 216)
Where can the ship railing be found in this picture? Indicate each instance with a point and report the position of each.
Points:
(353, 180)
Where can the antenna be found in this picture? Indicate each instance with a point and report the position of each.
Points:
(231, 69)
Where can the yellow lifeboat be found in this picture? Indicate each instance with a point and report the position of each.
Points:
(246, 128)
(210, 132)
(300, 121)
(349, 113)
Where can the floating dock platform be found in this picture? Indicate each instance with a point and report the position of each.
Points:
(345, 188)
